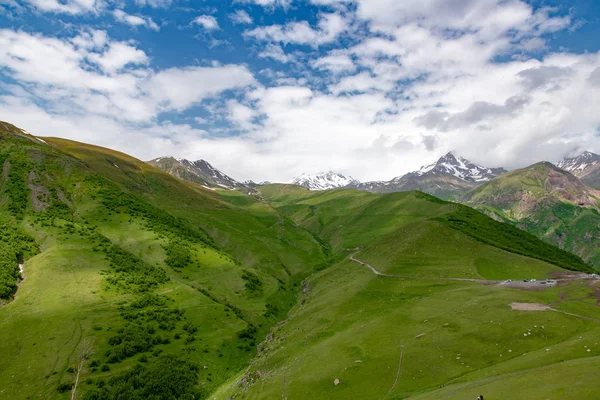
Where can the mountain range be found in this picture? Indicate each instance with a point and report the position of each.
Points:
(447, 178)
(121, 281)
(552, 202)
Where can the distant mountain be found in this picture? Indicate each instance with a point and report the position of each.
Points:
(547, 201)
(446, 178)
(324, 181)
(585, 166)
(200, 172)
(251, 184)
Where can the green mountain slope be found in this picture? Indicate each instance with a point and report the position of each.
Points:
(135, 284)
(547, 202)
(133, 266)
(431, 318)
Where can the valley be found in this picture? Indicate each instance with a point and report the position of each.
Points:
(139, 284)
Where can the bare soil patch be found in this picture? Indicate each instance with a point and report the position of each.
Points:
(529, 307)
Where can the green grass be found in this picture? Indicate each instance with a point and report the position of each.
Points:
(544, 202)
(468, 330)
(108, 236)
(153, 273)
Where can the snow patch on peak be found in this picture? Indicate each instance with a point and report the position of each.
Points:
(459, 167)
(585, 161)
(323, 180)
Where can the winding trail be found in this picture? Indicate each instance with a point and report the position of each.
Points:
(496, 283)
(398, 373)
(376, 272)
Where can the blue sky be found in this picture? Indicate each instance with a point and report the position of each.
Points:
(268, 89)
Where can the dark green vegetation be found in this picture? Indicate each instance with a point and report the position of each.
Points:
(140, 285)
(507, 237)
(549, 203)
(388, 338)
(15, 246)
(151, 273)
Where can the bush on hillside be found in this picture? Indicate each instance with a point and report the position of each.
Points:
(179, 254)
(167, 377)
(510, 238)
(253, 282)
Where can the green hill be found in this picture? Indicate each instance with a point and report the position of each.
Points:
(136, 265)
(548, 202)
(430, 319)
(135, 284)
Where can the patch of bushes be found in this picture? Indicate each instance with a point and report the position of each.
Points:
(507, 237)
(15, 247)
(129, 270)
(64, 387)
(179, 254)
(167, 377)
(253, 282)
(16, 184)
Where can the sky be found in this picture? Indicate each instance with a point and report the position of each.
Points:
(270, 89)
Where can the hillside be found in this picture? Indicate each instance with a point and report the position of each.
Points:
(415, 308)
(121, 281)
(548, 202)
(125, 265)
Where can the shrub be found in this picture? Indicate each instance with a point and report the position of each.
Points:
(253, 282)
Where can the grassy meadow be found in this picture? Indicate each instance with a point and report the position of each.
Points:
(136, 284)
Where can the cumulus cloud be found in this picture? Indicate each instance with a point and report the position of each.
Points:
(68, 6)
(208, 22)
(240, 17)
(336, 62)
(90, 73)
(268, 3)
(478, 112)
(275, 52)
(374, 89)
(135, 20)
(327, 30)
(545, 77)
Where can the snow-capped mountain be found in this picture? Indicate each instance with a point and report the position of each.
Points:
(195, 171)
(324, 181)
(446, 178)
(460, 168)
(585, 166)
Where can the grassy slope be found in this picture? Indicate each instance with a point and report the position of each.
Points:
(530, 200)
(353, 326)
(66, 300)
(346, 314)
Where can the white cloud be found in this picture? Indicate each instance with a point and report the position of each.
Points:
(135, 20)
(328, 29)
(400, 83)
(154, 3)
(276, 53)
(208, 22)
(268, 3)
(179, 88)
(90, 73)
(68, 6)
(335, 62)
(118, 56)
(240, 17)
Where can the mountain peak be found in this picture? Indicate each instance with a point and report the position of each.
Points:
(324, 180)
(585, 166)
(199, 171)
(461, 168)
